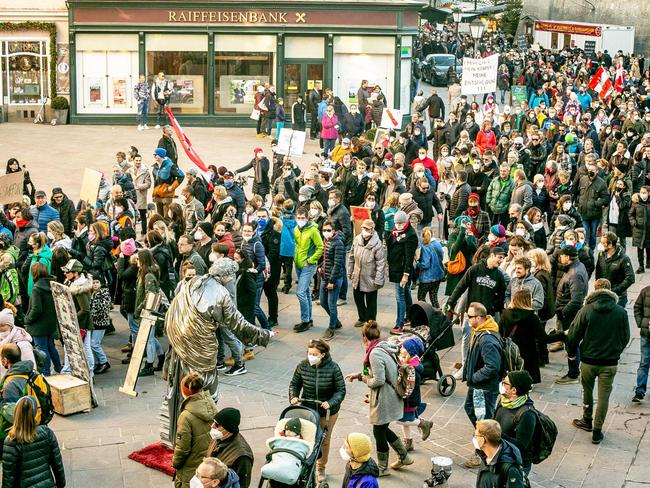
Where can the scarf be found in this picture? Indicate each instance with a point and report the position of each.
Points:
(488, 326)
(512, 404)
(396, 233)
(473, 211)
(371, 345)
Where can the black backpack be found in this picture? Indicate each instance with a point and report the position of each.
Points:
(504, 473)
(544, 435)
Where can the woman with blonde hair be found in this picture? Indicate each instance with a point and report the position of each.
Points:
(56, 235)
(31, 455)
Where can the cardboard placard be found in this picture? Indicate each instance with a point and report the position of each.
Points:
(90, 186)
(359, 214)
(590, 48)
(479, 75)
(291, 143)
(11, 188)
(391, 118)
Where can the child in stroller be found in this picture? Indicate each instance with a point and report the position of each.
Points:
(291, 445)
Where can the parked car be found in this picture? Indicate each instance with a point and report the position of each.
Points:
(435, 68)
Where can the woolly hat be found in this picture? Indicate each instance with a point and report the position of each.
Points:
(520, 380)
(207, 229)
(569, 251)
(474, 196)
(128, 247)
(400, 217)
(360, 445)
(413, 346)
(229, 419)
(498, 230)
(405, 198)
(160, 152)
(6, 317)
(460, 220)
(294, 425)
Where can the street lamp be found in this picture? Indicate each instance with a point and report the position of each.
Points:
(457, 15)
(476, 28)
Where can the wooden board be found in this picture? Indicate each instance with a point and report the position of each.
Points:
(69, 394)
(90, 186)
(11, 188)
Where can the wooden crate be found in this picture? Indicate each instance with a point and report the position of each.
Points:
(69, 394)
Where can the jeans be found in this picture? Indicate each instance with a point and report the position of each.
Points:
(96, 337)
(259, 313)
(588, 375)
(328, 300)
(404, 302)
(328, 146)
(366, 302)
(143, 112)
(227, 338)
(161, 115)
(591, 226)
(154, 349)
(278, 127)
(305, 275)
(502, 92)
(46, 344)
(471, 404)
(644, 366)
(134, 326)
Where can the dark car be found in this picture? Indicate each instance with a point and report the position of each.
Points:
(435, 68)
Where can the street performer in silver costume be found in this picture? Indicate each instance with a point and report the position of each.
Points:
(192, 322)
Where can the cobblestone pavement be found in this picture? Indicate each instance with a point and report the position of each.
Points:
(95, 446)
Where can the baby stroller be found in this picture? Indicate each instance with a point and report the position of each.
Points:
(434, 329)
(312, 432)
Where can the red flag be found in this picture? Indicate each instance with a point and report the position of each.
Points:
(619, 80)
(601, 83)
(185, 142)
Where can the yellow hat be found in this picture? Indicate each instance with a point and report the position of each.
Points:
(360, 445)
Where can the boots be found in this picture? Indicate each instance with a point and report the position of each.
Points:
(425, 428)
(408, 443)
(382, 463)
(147, 370)
(161, 362)
(404, 458)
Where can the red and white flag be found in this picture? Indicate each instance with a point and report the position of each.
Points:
(619, 79)
(601, 83)
(185, 142)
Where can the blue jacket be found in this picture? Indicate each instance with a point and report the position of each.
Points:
(163, 173)
(255, 250)
(237, 194)
(231, 481)
(483, 364)
(430, 263)
(44, 215)
(585, 100)
(536, 99)
(322, 108)
(505, 466)
(287, 239)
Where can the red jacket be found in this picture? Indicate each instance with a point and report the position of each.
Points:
(486, 140)
(429, 164)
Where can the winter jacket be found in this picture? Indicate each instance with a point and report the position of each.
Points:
(142, 182)
(235, 453)
(367, 264)
(333, 259)
(483, 361)
(100, 308)
(44, 256)
(246, 289)
(322, 382)
(80, 289)
(401, 247)
(271, 237)
(44, 215)
(37, 464)
(21, 240)
(459, 201)
(163, 257)
(12, 390)
(309, 245)
(498, 195)
(617, 269)
(518, 427)
(385, 405)
(548, 309)
(592, 197)
(98, 256)
(287, 237)
(484, 285)
(485, 140)
(642, 312)
(531, 283)
(127, 274)
(459, 242)
(329, 130)
(430, 263)
(340, 217)
(365, 476)
(194, 213)
(40, 319)
(192, 434)
(67, 213)
(504, 470)
(601, 330)
(571, 291)
(261, 183)
(9, 280)
(523, 195)
(640, 222)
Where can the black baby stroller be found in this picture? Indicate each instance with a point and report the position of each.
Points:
(313, 433)
(434, 329)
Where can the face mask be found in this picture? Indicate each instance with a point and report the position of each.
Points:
(388, 163)
(419, 174)
(600, 247)
(262, 222)
(301, 223)
(476, 166)
(327, 234)
(198, 235)
(464, 159)
(566, 206)
(50, 236)
(492, 237)
(520, 232)
(444, 154)
(400, 227)
(422, 157)
(475, 443)
(227, 184)
(91, 237)
(344, 455)
(287, 173)
(246, 238)
(119, 210)
(331, 202)
(195, 482)
(4, 335)
(213, 258)
(366, 234)
(313, 213)
(644, 196)
(313, 360)
(502, 390)
(216, 434)
(570, 243)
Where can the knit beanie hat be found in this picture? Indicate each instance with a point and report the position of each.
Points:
(498, 230)
(462, 219)
(521, 380)
(293, 425)
(128, 247)
(229, 419)
(6, 317)
(207, 229)
(400, 217)
(360, 445)
(413, 346)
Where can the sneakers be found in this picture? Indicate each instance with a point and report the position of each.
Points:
(221, 367)
(303, 326)
(259, 136)
(140, 127)
(145, 127)
(102, 368)
(566, 380)
(597, 436)
(359, 323)
(248, 355)
(637, 398)
(396, 330)
(473, 462)
(328, 335)
(157, 126)
(341, 301)
(128, 347)
(236, 370)
(583, 424)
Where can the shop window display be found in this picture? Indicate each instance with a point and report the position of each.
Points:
(237, 76)
(26, 71)
(187, 72)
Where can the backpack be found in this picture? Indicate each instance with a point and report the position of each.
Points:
(511, 359)
(504, 470)
(544, 435)
(37, 387)
(457, 265)
(405, 383)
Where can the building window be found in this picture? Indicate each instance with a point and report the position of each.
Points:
(27, 74)
(237, 76)
(184, 60)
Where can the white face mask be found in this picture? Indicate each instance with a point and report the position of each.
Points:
(476, 166)
(118, 210)
(331, 202)
(313, 360)
(328, 234)
(50, 236)
(520, 232)
(313, 213)
(419, 174)
(366, 234)
(344, 455)
(198, 235)
(370, 204)
(4, 335)
(571, 243)
(301, 223)
(475, 443)
(195, 482)
(644, 196)
(213, 258)
(216, 434)
(302, 198)
(502, 389)
(566, 206)
(246, 238)
(600, 247)
(492, 237)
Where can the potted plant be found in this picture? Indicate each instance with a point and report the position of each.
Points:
(60, 106)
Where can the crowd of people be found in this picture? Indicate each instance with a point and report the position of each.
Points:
(512, 208)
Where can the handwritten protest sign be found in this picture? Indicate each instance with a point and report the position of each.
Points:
(90, 185)
(479, 75)
(291, 143)
(391, 119)
(11, 188)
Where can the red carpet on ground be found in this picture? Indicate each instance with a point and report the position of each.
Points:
(155, 456)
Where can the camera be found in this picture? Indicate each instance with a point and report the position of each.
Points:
(440, 471)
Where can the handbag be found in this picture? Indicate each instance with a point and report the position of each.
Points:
(255, 114)
(457, 265)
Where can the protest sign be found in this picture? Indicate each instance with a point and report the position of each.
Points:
(391, 119)
(358, 214)
(590, 48)
(518, 94)
(11, 188)
(90, 186)
(291, 143)
(522, 42)
(479, 75)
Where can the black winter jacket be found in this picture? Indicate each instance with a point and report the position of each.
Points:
(270, 238)
(323, 382)
(41, 314)
(503, 471)
(427, 202)
(485, 285)
(601, 329)
(571, 291)
(592, 197)
(642, 312)
(483, 364)
(163, 257)
(34, 465)
(401, 252)
(98, 256)
(340, 216)
(617, 269)
(127, 273)
(518, 426)
(333, 259)
(67, 213)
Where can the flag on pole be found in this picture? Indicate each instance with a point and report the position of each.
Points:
(619, 79)
(185, 142)
(601, 83)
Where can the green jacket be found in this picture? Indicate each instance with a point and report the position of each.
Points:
(44, 256)
(152, 285)
(309, 245)
(9, 285)
(498, 196)
(192, 435)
